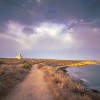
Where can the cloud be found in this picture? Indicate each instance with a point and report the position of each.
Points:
(87, 38)
(38, 1)
(52, 38)
(28, 30)
(29, 12)
(46, 36)
(8, 46)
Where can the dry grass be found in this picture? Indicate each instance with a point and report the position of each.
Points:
(63, 87)
(11, 73)
(84, 63)
(54, 62)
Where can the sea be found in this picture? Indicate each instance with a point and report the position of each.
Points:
(90, 75)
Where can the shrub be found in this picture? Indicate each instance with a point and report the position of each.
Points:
(40, 66)
(1, 62)
(27, 65)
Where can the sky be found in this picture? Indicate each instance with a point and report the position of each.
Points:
(53, 29)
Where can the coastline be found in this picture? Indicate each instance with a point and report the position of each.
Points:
(62, 86)
(82, 81)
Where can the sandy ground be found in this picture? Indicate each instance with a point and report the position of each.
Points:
(32, 88)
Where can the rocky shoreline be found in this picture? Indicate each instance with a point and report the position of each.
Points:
(79, 80)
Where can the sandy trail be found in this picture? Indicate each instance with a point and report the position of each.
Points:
(32, 88)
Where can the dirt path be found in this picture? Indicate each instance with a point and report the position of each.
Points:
(32, 88)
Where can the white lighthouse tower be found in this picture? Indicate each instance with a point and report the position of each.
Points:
(19, 56)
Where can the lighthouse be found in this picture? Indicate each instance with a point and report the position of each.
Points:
(19, 56)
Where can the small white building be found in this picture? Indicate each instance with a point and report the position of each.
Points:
(19, 56)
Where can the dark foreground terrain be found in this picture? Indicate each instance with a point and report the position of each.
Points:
(56, 84)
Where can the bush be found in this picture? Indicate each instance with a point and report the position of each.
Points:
(40, 66)
(27, 65)
(1, 62)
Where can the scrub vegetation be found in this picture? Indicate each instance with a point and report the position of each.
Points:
(27, 65)
(84, 63)
(61, 85)
(12, 71)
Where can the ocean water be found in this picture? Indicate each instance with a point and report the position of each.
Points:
(90, 75)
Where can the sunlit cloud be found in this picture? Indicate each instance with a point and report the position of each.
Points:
(46, 34)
